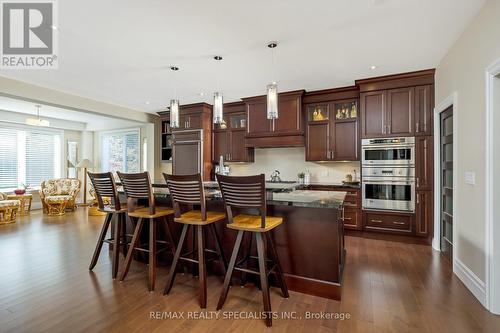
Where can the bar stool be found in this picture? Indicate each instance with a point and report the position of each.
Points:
(138, 186)
(188, 190)
(105, 191)
(250, 193)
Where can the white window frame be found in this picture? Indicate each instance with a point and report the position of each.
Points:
(57, 173)
(122, 130)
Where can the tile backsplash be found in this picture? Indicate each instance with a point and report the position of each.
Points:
(291, 161)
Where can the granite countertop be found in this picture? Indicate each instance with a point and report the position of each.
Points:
(306, 198)
(296, 198)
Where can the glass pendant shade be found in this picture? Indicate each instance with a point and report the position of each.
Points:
(218, 106)
(272, 101)
(174, 113)
(37, 122)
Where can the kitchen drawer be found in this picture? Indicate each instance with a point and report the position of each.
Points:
(388, 222)
(352, 198)
(352, 218)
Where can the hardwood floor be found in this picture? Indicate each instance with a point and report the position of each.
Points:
(45, 286)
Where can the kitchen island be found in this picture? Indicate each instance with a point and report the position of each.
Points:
(310, 242)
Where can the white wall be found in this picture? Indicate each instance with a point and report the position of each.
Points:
(291, 161)
(463, 70)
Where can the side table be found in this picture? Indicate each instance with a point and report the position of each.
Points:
(25, 202)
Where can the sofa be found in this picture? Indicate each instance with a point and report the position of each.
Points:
(59, 195)
(8, 209)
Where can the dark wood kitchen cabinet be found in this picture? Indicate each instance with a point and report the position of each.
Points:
(332, 132)
(397, 105)
(389, 222)
(424, 104)
(285, 131)
(424, 162)
(373, 122)
(399, 112)
(424, 213)
(229, 137)
(352, 203)
(387, 113)
(196, 116)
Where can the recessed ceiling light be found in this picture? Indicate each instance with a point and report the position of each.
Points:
(55, 27)
(146, 102)
(372, 67)
(201, 93)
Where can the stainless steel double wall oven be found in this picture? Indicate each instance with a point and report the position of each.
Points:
(388, 174)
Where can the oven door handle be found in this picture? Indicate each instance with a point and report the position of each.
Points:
(387, 147)
(389, 182)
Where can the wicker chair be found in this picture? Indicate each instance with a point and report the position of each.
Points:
(57, 195)
(8, 209)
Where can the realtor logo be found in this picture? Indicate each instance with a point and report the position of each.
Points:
(28, 34)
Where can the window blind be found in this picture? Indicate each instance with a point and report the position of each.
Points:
(120, 151)
(42, 157)
(28, 156)
(8, 158)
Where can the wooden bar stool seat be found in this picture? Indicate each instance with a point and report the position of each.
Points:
(253, 223)
(188, 190)
(146, 214)
(249, 193)
(137, 186)
(105, 188)
(195, 217)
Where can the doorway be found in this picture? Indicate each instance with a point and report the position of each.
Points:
(492, 230)
(446, 186)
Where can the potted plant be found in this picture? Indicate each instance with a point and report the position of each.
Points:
(301, 176)
(20, 190)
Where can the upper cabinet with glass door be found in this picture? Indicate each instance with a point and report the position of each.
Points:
(346, 110)
(318, 112)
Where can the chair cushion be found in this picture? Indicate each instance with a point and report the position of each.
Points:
(194, 217)
(58, 198)
(7, 203)
(62, 186)
(252, 223)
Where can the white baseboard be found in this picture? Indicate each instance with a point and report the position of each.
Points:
(471, 281)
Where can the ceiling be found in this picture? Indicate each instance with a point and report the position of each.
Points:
(121, 53)
(92, 122)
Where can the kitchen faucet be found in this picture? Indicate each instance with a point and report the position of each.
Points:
(275, 177)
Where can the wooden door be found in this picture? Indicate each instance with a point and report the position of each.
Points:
(345, 141)
(289, 116)
(183, 122)
(317, 141)
(399, 112)
(373, 122)
(423, 213)
(424, 102)
(258, 124)
(194, 121)
(237, 150)
(446, 156)
(220, 145)
(424, 163)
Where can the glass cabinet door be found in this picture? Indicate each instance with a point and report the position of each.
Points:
(317, 112)
(238, 120)
(346, 110)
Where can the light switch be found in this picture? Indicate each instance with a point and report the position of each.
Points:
(470, 177)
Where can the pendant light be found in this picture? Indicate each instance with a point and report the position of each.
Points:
(218, 115)
(174, 104)
(272, 89)
(37, 121)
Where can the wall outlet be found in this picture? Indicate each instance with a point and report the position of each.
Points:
(470, 177)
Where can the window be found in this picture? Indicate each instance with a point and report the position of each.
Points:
(28, 156)
(120, 151)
